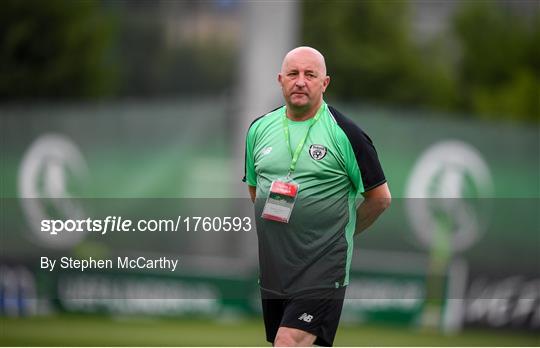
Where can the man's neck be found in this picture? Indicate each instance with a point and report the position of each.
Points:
(302, 114)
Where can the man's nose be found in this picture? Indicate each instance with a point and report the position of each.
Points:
(300, 81)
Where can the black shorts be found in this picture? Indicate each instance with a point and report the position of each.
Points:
(317, 314)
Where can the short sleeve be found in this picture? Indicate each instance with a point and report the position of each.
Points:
(367, 160)
(361, 159)
(250, 177)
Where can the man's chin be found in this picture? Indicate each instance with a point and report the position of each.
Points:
(299, 107)
(300, 103)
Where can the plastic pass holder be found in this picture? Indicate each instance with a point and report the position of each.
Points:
(280, 201)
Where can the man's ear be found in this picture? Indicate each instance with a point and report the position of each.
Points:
(326, 82)
(279, 78)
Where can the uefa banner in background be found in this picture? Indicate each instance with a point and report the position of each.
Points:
(134, 209)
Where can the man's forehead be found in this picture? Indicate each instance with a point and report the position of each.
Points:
(303, 60)
(302, 65)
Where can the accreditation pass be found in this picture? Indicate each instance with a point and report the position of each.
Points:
(280, 201)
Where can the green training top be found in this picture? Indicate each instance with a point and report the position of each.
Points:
(336, 163)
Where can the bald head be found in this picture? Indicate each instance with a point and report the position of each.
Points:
(305, 53)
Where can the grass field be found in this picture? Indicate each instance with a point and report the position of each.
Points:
(74, 330)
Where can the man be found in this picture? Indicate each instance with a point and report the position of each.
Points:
(306, 164)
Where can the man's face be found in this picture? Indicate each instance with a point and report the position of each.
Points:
(303, 79)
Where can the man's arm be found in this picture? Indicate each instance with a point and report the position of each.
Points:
(252, 192)
(375, 202)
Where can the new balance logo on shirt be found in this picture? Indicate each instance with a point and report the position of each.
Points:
(306, 317)
(266, 151)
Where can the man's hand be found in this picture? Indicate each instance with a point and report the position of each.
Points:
(375, 202)
(252, 192)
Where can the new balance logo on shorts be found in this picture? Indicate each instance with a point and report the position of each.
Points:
(306, 317)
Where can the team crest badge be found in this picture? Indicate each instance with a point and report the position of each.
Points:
(317, 152)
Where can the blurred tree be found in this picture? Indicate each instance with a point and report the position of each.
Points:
(54, 48)
(152, 66)
(499, 72)
(62, 49)
(489, 65)
(371, 57)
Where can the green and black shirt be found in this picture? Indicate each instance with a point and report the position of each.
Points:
(337, 163)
